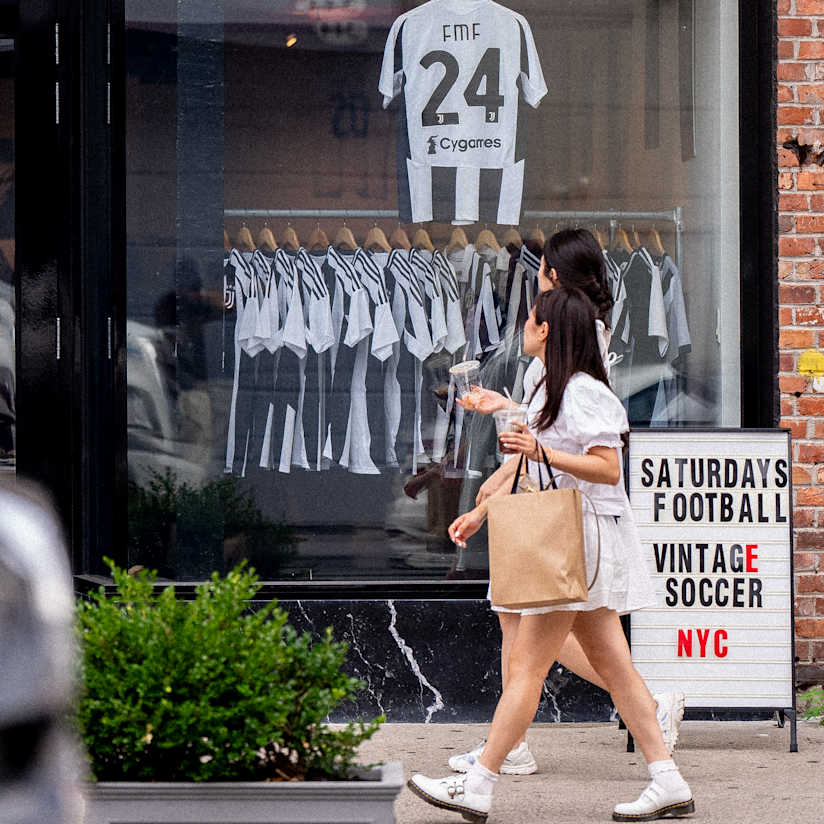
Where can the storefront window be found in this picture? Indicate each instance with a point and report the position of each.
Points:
(8, 414)
(383, 186)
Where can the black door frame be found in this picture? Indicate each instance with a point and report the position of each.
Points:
(758, 59)
(45, 351)
(71, 428)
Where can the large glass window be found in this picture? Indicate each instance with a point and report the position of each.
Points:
(383, 187)
(8, 414)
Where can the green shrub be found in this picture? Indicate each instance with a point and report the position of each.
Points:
(186, 531)
(207, 690)
(814, 697)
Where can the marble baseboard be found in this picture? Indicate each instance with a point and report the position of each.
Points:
(435, 661)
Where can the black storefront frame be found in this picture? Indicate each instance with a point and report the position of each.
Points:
(70, 236)
(72, 280)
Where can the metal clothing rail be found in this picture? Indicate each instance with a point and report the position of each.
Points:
(614, 216)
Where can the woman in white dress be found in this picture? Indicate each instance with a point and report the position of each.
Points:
(578, 420)
(571, 258)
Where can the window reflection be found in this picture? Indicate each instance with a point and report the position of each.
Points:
(327, 407)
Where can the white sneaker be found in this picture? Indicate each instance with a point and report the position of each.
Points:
(451, 794)
(518, 762)
(656, 802)
(670, 711)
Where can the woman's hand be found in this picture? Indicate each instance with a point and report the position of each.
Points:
(466, 525)
(485, 401)
(521, 441)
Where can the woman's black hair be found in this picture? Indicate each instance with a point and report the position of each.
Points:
(577, 258)
(571, 346)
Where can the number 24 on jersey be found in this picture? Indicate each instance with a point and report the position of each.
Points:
(486, 74)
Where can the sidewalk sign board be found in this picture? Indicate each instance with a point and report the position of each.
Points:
(714, 512)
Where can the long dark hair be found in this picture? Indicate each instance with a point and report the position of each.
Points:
(571, 346)
(578, 260)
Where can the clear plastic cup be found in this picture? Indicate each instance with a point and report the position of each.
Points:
(467, 374)
(505, 420)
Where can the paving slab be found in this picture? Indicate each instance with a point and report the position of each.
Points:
(741, 772)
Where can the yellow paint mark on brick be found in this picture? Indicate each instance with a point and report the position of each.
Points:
(811, 363)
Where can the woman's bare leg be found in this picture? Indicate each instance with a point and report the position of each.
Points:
(605, 645)
(573, 657)
(509, 629)
(536, 645)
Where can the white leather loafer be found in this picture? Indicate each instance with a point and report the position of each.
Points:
(451, 794)
(656, 802)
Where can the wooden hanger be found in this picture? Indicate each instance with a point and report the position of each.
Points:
(634, 239)
(399, 239)
(344, 239)
(421, 240)
(376, 240)
(487, 240)
(266, 240)
(512, 237)
(654, 244)
(620, 241)
(318, 239)
(289, 238)
(599, 236)
(227, 244)
(537, 237)
(457, 240)
(244, 240)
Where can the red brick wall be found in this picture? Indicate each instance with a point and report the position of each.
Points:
(801, 303)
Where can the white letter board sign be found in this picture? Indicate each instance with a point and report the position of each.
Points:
(714, 511)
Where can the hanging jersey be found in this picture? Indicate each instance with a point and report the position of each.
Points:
(677, 326)
(459, 68)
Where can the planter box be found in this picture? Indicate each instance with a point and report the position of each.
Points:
(253, 802)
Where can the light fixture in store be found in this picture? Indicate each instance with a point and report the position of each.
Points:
(291, 39)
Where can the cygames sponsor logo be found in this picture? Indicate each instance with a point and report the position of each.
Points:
(461, 144)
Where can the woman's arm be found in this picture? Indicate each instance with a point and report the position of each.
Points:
(498, 479)
(485, 401)
(599, 466)
(466, 525)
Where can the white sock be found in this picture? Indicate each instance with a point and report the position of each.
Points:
(667, 775)
(480, 780)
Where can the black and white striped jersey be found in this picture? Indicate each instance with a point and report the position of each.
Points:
(460, 68)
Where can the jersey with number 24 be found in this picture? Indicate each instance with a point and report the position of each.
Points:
(461, 67)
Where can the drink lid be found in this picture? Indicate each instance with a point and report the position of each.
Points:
(464, 367)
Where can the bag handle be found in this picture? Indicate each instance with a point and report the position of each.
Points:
(555, 486)
(540, 477)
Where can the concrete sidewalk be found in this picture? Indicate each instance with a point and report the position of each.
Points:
(740, 772)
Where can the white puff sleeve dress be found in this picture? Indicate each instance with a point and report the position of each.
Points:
(591, 415)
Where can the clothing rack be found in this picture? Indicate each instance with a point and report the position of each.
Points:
(615, 218)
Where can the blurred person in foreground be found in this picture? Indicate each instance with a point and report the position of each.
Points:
(39, 760)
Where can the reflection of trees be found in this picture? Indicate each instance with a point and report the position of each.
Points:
(185, 531)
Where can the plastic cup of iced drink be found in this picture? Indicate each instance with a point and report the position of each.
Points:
(505, 420)
(467, 376)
